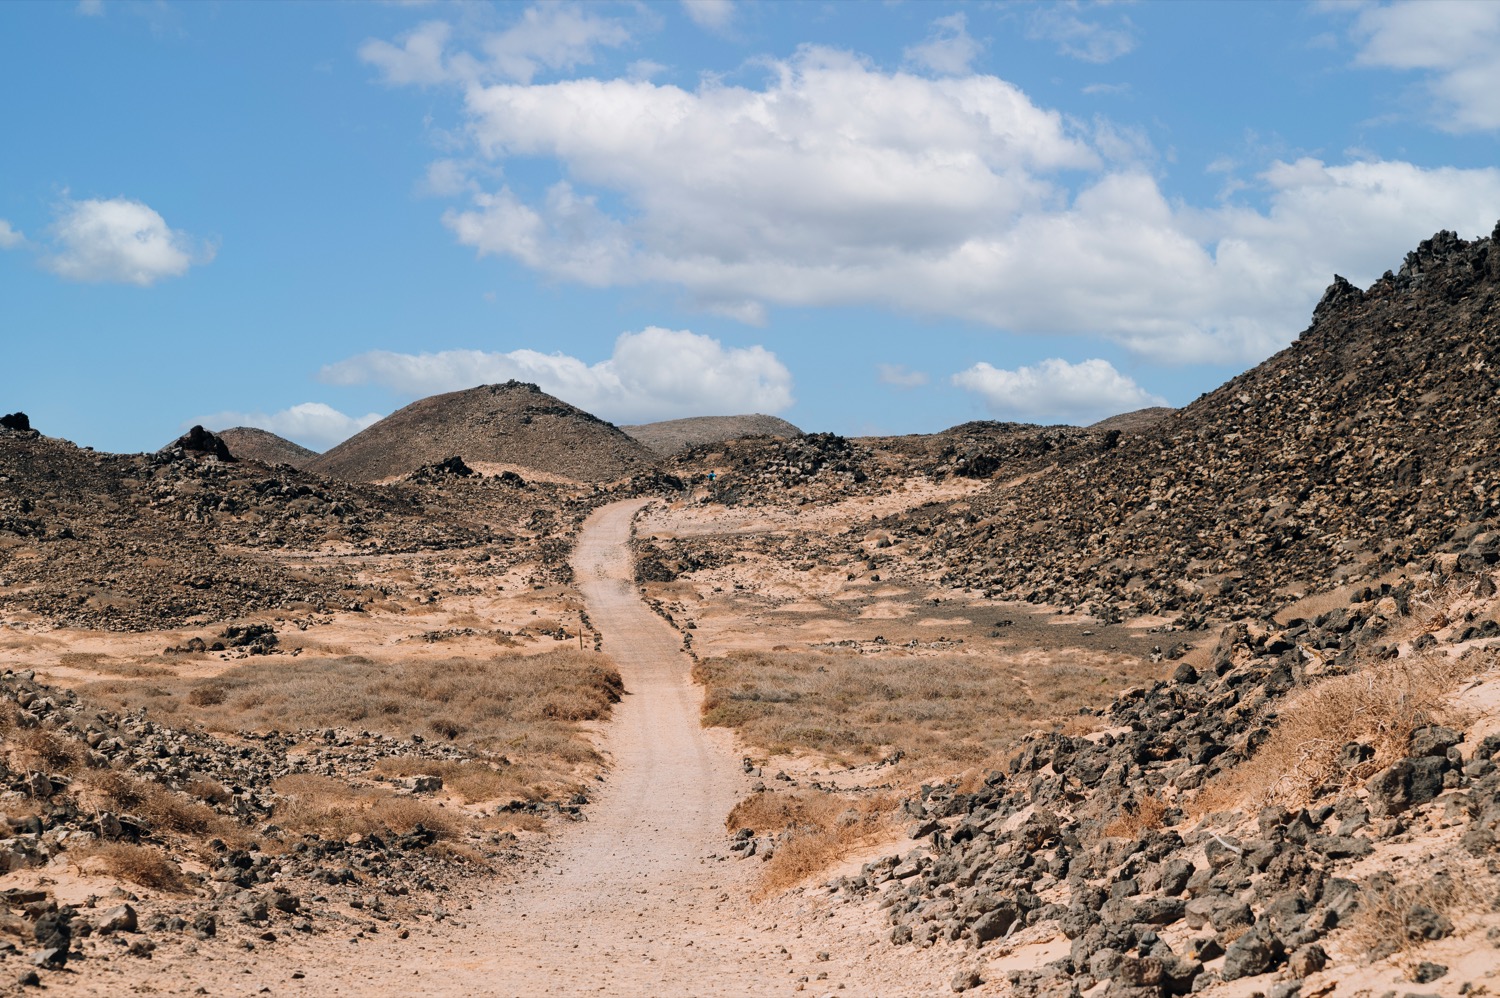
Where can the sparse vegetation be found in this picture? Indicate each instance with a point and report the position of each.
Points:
(333, 808)
(525, 710)
(939, 712)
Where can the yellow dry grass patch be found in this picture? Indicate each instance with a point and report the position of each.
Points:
(527, 711)
(1379, 705)
(940, 712)
(818, 829)
(334, 809)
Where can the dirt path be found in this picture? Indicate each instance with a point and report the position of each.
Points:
(637, 901)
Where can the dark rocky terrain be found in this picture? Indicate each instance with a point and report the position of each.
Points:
(674, 435)
(249, 443)
(145, 541)
(1370, 444)
(514, 423)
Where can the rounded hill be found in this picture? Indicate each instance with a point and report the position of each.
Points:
(515, 423)
(671, 436)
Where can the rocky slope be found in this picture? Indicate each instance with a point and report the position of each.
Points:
(144, 541)
(674, 435)
(249, 443)
(1371, 443)
(514, 423)
(1123, 843)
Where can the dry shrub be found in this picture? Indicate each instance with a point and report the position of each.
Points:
(1379, 705)
(164, 809)
(472, 781)
(333, 809)
(42, 749)
(815, 830)
(210, 694)
(952, 711)
(1380, 925)
(140, 865)
(1142, 814)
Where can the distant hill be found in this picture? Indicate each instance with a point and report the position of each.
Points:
(515, 424)
(1134, 422)
(250, 443)
(673, 435)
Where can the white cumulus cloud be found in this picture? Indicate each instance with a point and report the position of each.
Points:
(1055, 390)
(311, 424)
(838, 183)
(9, 238)
(120, 241)
(653, 374)
(1456, 43)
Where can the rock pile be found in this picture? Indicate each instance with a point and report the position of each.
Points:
(1370, 444)
(1086, 837)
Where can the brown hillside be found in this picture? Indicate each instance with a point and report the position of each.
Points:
(250, 443)
(515, 423)
(673, 435)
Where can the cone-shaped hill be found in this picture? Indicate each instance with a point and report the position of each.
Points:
(250, 443)
(673, 435)
(1370, 444)
(515, 423)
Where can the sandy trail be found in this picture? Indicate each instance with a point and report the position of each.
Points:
(636, 901)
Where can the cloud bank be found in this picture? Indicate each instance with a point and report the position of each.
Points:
(1056, 391)
(940, 192)
(653, 374)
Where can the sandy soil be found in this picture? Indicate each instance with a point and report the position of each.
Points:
(638, 900)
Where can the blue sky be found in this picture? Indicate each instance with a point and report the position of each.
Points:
(865, 218)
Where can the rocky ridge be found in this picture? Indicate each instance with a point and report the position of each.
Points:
(673, 435)
(139, 542)
(1371, 444)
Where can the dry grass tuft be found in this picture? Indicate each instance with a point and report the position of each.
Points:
(1380, 706)
(1145, 814)
(333, 809)
(471, 781)
(42, 749)
(1391, 909)
(164, 809)
(815, 830)
(954, 711)
(140, 865)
